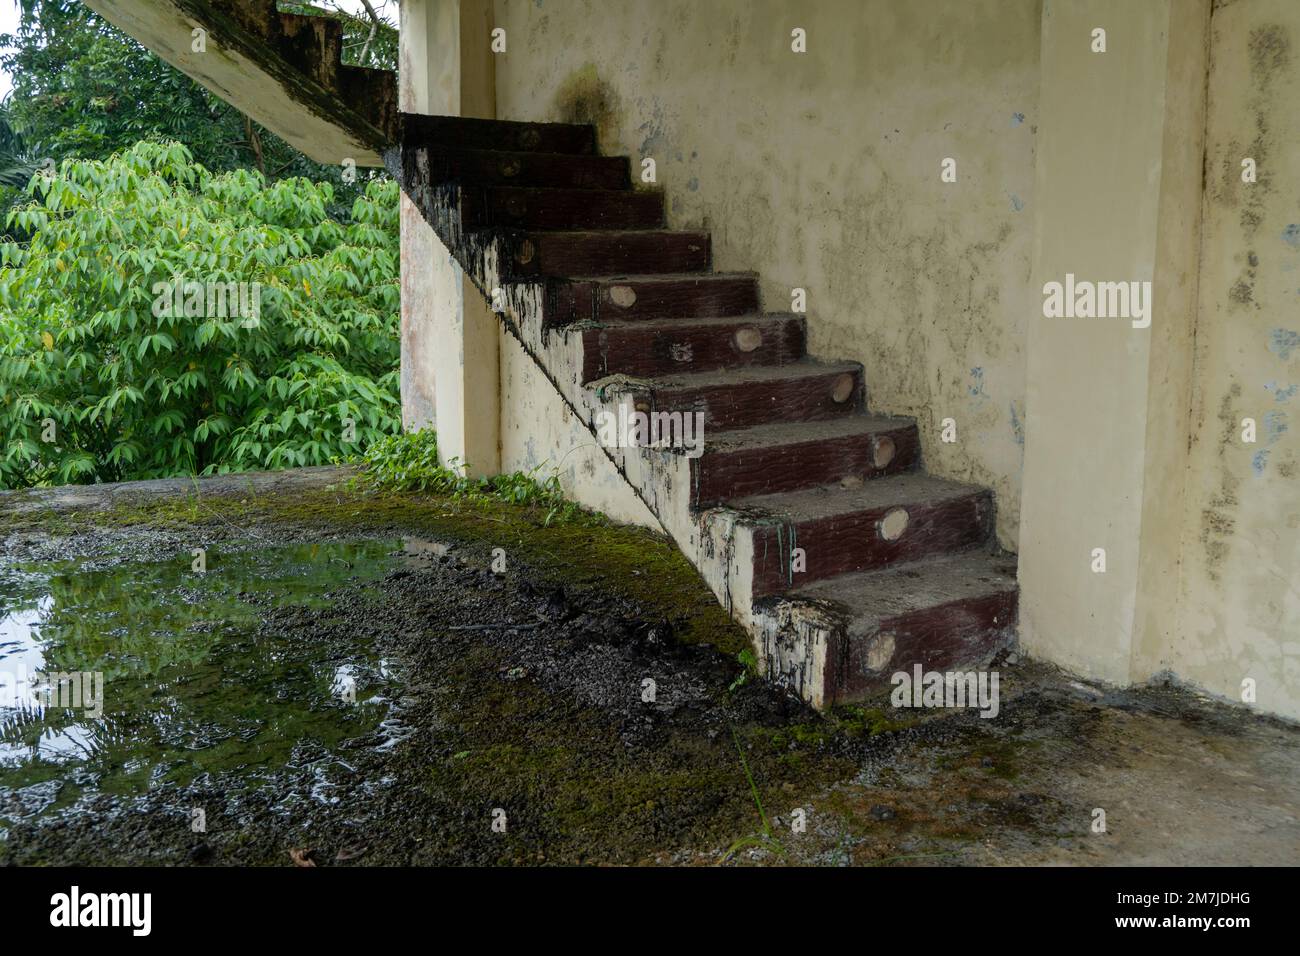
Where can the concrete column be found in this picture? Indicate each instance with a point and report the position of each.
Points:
(450, 364)
(1118, 197)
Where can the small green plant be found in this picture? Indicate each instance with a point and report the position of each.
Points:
(767, 839)
(410, 462)
(749, 664)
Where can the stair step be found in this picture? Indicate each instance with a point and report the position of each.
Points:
(650, 297)
(464, 132)
(787, 456)
(944, 613)
(841, 530)
(517, 207)
(619, 253)
(655, 347)
(500, 168)
(740, 397)
(373, 94)
(311, 44)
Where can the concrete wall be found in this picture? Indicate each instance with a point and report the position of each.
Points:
(450, 363)
(1240, 613)
(1118, 199)
(538, 430)
(821, 170)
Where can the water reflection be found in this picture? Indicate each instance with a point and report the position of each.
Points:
(192, 682)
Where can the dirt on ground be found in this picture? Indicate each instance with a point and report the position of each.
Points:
(572, 693)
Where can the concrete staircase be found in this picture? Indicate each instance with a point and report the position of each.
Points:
(808, 515)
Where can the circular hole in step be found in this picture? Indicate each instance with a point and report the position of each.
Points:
(526, 252)
(882, 451)
(509, 168)
(881, 652)
(623, 296)
(893, 524)
(529, 138)
(842, 388)
(748, 339)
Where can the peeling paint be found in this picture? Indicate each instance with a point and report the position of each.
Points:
(1283, 342)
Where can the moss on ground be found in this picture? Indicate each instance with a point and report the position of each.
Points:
(635, 563)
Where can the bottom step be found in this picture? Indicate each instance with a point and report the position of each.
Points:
(842, 639)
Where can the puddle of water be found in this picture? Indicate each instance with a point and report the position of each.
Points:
(115, 680)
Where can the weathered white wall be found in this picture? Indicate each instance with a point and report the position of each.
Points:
(1118, 190)
(538, 430)
(1240, 614)
(821, 171)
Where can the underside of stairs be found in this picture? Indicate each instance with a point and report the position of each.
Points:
(285, 70)
(809, 516)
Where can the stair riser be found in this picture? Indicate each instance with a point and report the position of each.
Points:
(374, 94)
(467, 133)
(959, 635)
(517, 208)
(811, 398)
(843, 544)
(690, 298)
(620, 253)
(719, 476)
(645, 353)
(312, 45)
(488, 168)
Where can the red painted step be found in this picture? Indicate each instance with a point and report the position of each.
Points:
(650, 297)
(665, 346)
(740, 397)
(619, 253)
(516, 207)
(464, 132)
(945, 613)
(877, 523)
(787, 456)
(499, 168)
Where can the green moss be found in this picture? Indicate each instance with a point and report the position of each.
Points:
(858, 721)
(636, 563)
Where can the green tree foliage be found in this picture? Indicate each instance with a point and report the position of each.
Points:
(85, 90)
(90, 339)
(18, 161)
